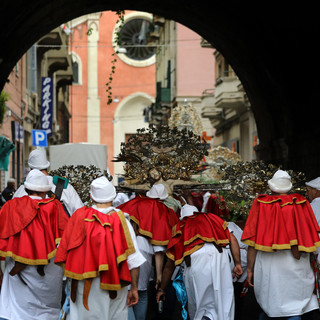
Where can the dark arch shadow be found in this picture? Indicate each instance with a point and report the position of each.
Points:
(271, 49)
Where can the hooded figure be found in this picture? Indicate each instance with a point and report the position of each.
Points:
(101, 275)
(281, 231)
(30, 229)
(280, 182)
(155, 221)
(199, 241)
(61, 187)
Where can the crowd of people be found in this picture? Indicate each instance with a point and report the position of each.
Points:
(144, 257)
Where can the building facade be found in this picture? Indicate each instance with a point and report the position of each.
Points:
(47, 60)
(228, 109)
(190, 72)
(184, 69)
(96, 52)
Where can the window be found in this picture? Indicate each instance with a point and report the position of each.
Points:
(133, 37)
(76, 68)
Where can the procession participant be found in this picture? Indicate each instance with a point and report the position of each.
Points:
(313, 195)
(100, 277)
(239, 284)
(155, 221)
(281, 232)
(213, 202)
(120, 198)
(139, 311)
(30, 228)
(199, 240)
(155, 215)
(61, 187)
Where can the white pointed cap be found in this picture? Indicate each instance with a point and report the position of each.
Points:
(102, 190)
(157, 191)
(38, 159)
(280, 182)
(187, 210)
(315, 183)
(37, 181)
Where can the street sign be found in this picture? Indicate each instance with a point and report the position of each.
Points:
(39, 138)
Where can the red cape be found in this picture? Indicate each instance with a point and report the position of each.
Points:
(96, 244)
(192, 232)
(154, 218)
(278, 222)
(30, 229)
(197, 199)
(218, 208)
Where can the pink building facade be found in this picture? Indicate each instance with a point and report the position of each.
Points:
(12, 125)
(93, 120)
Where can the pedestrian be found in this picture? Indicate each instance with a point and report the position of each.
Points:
(199, 242)
(30, 228)
(61, 187)
(281, 232)
(9, 190)
(99, 253)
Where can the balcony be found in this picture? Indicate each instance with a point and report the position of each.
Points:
(227, 94)
(208, 105)
(158, 20)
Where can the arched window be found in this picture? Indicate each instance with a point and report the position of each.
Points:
(76, 68)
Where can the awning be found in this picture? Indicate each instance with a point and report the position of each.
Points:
(6, 146)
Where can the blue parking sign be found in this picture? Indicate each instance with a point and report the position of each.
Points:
(39, 138)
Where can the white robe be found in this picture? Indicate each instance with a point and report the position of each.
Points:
(315, 205)
(284, 285)
(209, 285)
(237, 232)
(40, 299)
(101, 307)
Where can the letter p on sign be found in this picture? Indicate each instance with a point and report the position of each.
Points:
(39, 138)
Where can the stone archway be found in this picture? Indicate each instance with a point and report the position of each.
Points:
(272, 50)
(128, 118)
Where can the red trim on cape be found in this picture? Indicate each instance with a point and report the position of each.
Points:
(277, 222)
(30, 229)
(193, 231)
(154, 218)
(96, 244)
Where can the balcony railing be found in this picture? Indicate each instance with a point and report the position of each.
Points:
(227, 93)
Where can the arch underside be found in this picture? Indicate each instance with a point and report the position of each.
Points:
(272, 50)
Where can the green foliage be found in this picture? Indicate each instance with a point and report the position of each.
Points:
(4, 97)
(120, 14)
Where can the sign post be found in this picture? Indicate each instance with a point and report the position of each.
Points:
(39, 138)
(47, 105)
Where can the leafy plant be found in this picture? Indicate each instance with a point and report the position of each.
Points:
(4, 97)
(120, 14)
